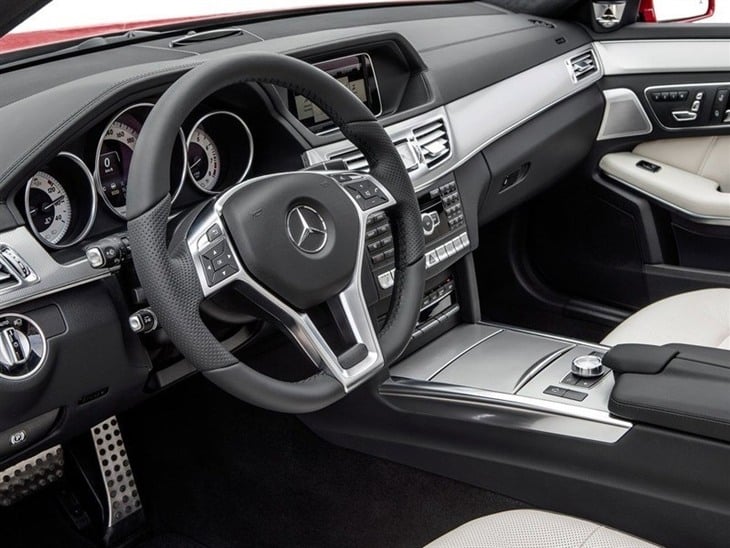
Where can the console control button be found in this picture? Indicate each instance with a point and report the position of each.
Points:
(575, 395)
(554, 391)
(587, 366)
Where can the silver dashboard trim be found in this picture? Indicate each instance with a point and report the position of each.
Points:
(52, 276)
(460, 354)
(536, 368)
(559, 338)
(514, 411)
(658, 56)
(477, 120)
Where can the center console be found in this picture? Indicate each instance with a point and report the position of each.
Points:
(525, 380)
(447, 241)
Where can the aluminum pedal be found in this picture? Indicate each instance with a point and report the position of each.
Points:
(31, 475)
(121, 489)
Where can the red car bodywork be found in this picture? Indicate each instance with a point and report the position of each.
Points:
(24, 40)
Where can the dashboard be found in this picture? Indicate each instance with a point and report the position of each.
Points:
(437, 77)
(81, 192)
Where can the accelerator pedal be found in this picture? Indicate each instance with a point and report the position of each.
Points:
(124, 513)
(31, 475)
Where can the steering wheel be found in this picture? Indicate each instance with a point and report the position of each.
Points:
(291, 241)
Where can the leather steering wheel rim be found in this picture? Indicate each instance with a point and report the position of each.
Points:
(167, 274)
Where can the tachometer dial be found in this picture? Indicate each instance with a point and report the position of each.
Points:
(60, 201)
(203, 159)
(220, 151)
(49, 208)
(114, 156)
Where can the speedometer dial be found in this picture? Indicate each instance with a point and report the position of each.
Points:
(203, 160)
(114, 156)
(49, 208)
(60, 201)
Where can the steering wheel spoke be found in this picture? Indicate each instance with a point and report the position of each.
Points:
(218, 264)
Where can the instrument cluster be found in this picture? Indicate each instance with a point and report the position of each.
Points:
(214, 151)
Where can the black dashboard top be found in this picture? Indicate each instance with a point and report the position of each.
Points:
(426, 55)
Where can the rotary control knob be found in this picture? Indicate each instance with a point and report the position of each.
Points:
(22, 346)
(429, 222)
(587, 367)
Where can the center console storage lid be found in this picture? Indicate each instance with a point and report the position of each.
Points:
(681, 387)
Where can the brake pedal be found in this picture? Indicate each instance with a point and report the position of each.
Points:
(124, 505)
(31, 475)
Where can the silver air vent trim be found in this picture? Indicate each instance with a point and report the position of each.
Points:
(44, 275)
(477, 120)
(582, 66)
(423, 144)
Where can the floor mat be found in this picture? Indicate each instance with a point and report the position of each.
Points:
(229, 475)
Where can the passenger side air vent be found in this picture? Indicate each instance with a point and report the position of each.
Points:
(433, 142)
(582, 66)
(354, 160)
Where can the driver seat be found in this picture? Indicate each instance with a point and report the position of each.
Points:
(535, 529)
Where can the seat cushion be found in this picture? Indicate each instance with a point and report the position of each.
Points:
(535, 529)
(700, 318)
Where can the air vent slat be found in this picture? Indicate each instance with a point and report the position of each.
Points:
(354, 159)
(433, 141)
(582, 66)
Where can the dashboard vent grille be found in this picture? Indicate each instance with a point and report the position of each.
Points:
(433, 142)
(354, 160)
(582, 66)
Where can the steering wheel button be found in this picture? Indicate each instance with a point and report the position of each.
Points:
(216, 251)
(214, 232)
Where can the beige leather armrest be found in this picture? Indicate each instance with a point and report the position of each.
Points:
(681, 189)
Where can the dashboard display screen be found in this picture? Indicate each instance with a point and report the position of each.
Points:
(356, 73)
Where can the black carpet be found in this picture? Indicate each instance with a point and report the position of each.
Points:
(39, 522)
(225, 474)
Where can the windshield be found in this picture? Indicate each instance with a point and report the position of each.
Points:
(63, 20)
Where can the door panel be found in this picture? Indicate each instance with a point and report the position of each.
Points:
(623, 235)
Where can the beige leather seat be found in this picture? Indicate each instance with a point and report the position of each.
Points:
(535, 529)
(699, 317)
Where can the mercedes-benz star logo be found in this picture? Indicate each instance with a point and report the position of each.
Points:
(307, 229)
